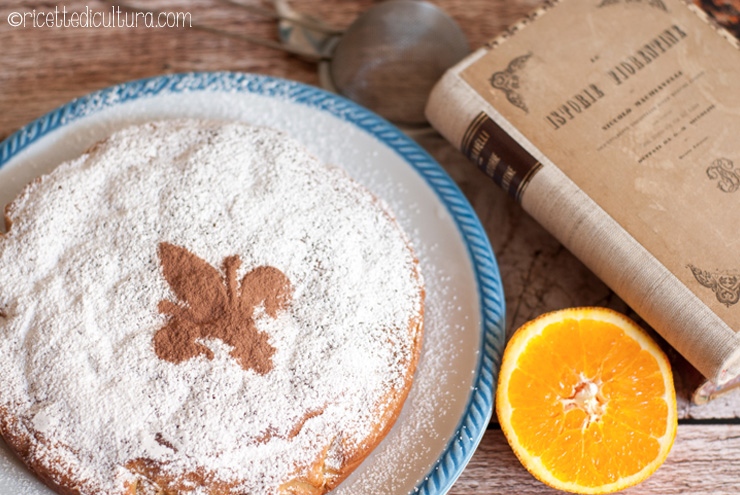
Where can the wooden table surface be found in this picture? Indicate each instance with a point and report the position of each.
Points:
(42, 68)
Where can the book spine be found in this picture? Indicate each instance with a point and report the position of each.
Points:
(498, 155)
(582, 226)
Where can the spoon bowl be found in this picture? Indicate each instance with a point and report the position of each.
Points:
(391, 56)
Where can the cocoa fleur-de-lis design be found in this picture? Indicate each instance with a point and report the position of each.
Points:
(508, 81)
(726, 287)
(212, 305)
(728, 178)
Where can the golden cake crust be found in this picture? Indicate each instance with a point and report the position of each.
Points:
(207, 294)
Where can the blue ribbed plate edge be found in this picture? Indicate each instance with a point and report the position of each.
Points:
(459, 450)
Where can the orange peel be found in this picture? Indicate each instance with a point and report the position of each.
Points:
(586, 400)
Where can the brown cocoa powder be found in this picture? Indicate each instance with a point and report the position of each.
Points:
(216, 306)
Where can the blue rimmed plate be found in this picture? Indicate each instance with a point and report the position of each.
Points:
(451, 400)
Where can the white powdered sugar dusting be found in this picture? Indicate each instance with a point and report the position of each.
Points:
(389, 468)
(81, 283)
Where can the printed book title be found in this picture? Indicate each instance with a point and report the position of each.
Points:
(617, 75)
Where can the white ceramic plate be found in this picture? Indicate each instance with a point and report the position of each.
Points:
(450, 403)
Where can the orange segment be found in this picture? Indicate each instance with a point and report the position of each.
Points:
(586, 400)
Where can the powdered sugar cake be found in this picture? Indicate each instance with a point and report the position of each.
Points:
(198, 307)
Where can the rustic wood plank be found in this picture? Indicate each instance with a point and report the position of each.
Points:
(704, 460)
(43, 68)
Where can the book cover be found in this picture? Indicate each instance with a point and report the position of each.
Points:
(616, 125)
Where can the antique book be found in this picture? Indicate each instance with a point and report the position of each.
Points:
(616, 125)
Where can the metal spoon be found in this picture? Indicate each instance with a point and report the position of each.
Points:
(387, 60)
(391, 56)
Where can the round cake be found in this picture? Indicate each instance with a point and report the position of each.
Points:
(202, 307)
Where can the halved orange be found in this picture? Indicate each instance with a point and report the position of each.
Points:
(586, 400)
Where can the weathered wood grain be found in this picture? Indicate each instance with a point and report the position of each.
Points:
(704, 460)
(42, 68)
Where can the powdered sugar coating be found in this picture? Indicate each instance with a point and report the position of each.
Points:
(81, 282)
